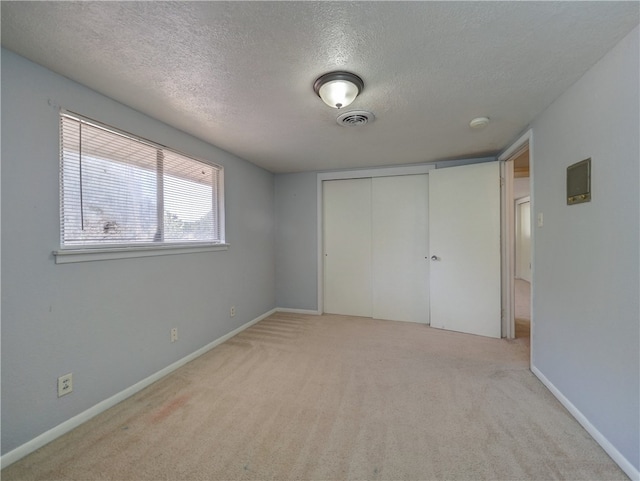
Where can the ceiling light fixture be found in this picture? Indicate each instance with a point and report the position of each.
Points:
(338, 89)
(479, 122)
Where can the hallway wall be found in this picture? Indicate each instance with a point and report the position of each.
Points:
(586, 257)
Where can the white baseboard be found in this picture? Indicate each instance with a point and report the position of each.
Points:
(609, 448)
(63, 428)
(298, 311)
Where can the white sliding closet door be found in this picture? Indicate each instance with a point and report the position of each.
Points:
(400, 248)
(347, 247)
(375, 247)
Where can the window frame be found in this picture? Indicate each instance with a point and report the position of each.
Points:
(94, 252)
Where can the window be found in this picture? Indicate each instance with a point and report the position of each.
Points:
(117, 190)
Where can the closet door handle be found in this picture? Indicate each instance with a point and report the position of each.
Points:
(434, 258)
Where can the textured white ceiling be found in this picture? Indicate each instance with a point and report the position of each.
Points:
(239, 74)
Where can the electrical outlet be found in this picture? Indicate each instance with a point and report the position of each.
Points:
(232, 311)
(65, 384)
(174, 334)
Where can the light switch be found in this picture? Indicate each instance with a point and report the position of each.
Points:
(540, 219)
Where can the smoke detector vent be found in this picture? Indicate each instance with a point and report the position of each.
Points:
(355, 118)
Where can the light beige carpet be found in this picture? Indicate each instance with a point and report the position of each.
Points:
(333, 398)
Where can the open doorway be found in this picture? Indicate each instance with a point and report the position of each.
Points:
(517, 239)
(522, 264)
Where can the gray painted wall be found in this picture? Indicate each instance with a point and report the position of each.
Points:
(297, 241)
(586, 258)
(108, 322)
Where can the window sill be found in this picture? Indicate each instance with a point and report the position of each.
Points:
(67, 256)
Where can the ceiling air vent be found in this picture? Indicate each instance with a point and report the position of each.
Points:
(355, 118)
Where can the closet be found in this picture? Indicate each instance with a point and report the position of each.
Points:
(375, 246)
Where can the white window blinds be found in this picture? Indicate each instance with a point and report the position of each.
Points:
(118, 190)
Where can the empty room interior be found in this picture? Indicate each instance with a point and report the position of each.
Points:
(320, 240)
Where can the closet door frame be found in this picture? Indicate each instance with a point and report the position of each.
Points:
(354, 174)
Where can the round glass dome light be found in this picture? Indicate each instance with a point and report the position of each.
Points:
(338, 89)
